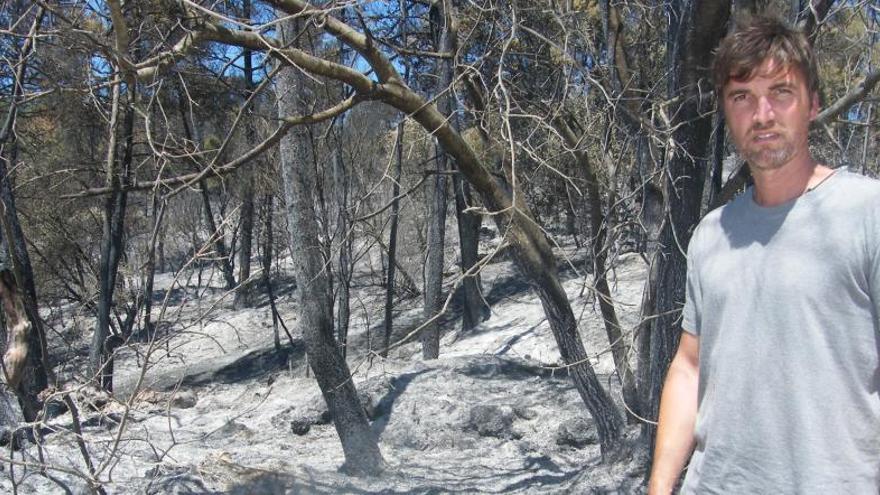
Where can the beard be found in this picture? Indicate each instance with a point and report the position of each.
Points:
(769, 158)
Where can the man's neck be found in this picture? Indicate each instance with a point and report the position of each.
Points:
(776, 186)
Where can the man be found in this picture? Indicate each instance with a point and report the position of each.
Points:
(775, 383)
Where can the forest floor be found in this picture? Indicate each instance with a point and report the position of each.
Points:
(211, 406)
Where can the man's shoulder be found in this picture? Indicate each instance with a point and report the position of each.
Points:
(733, 209)
(856, 191)
(856, 182)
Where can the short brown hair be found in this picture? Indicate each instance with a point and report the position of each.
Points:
(741, 53)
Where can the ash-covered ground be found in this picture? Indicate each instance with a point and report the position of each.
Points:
(210, 405)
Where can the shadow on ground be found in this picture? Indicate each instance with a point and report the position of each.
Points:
(254, 364)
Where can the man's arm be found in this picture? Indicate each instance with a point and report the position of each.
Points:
(678, 413)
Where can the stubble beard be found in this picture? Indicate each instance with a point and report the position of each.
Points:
(768, 156)
(769, 159)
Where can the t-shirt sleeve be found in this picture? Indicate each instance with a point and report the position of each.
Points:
(691, 314)
(873, 242)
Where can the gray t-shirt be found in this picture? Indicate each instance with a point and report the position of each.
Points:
(785, 301)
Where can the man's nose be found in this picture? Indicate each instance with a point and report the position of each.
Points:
(764, 111)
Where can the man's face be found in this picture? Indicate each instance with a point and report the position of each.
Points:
(769, 115)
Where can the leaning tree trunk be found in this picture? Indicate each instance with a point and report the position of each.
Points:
(597, 236)
(316, 299)
(215, 235)
(528, 244)
(474, 307)
(533, 256)
(696, 29)
(221, 257)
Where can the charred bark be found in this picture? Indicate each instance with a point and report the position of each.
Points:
(316, 318)
(215, 239)
(246, 213)
(14, 246)
(597, 235)
(221, 255)
(150, 266)
(392, 236)
(344, 273)
(696, 29)
(112, 240)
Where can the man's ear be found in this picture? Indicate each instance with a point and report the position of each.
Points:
(814, 105)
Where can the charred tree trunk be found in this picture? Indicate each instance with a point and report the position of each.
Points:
(112, 241)
(216, 240)
(36, 375)
(695, 31)
(221, 255)
(597, 237)
(343, 227)
(342, 187)
(245, 241)
(358, 441)
(430, 335)
(150, 267)
(266, 260)
(246, 213)
(16, 257)
(18, 330)
(392, 236)
(474, 307)
(395, 202)
(475, 310)
(441, 22)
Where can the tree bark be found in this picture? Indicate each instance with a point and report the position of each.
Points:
(343, 227)
(441, 21)
(246, 213)
(112, 245)
(37, 373)
(475, 310)
(392, 236)
(597, 236)
(18, 329)
(474, 307)
(316, 300)
(221, 256)
(696, 29)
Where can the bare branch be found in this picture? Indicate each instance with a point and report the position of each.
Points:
(187, 179)
(855, 95)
